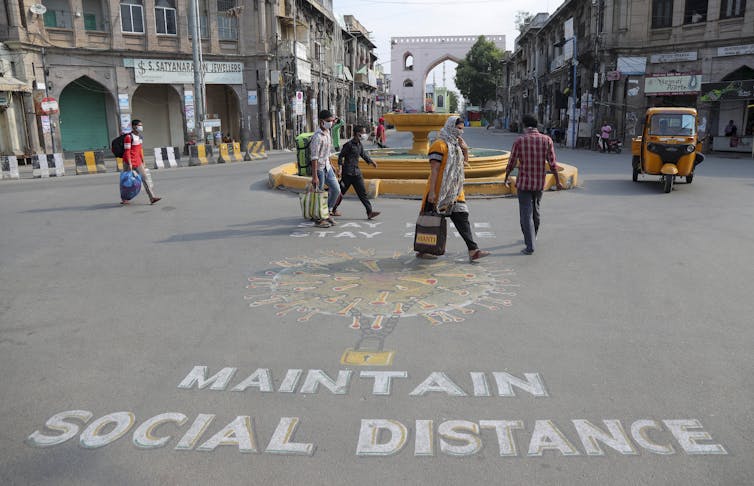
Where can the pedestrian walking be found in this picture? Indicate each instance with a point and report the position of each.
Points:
(133, 157)
(448, 155)
(335, 133)
(323, 173)
(348, 162)
(530, 152)
(380, 135)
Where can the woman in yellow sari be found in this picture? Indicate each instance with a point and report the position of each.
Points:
(448, 155)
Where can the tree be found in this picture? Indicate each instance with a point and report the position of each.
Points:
(453, 101)
(522, 19)
(477, 74)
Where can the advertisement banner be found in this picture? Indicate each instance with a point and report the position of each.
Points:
(672, 84)
(174, 71)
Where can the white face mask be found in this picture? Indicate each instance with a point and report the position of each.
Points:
(139, 128)
(364, 136)
(328, 125)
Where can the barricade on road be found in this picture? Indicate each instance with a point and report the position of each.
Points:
(9, 167)
(229, 152)
(255, 150)
(166, 157)
(41, 164)
(90, 162)
(236, 155)
(223, 153)
(200, 154)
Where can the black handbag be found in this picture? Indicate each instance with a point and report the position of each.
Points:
(431, 234)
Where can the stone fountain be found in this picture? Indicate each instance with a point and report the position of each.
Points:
(404, 172)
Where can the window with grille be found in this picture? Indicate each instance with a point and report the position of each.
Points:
(227, 22)
(164, 14)
(695, 12)
(203, 23)
(662, 13)
(132, 16)
(317, 51)
(732, 8)
(94, 18)
(58, 14)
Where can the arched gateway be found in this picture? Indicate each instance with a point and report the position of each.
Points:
(412, 58)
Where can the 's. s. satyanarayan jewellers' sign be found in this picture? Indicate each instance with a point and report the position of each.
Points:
(382, 436)
(173, 71)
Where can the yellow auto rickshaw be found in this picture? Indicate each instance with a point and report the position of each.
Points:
(668, 146)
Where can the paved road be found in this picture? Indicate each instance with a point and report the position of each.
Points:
(216, 338)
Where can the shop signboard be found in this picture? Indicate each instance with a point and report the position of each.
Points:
(176, 71)
(672, 84)
(735, 50)
(632, 66)
(673, 57)
(730, 90)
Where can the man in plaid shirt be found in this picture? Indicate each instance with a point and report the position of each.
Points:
(531, 150)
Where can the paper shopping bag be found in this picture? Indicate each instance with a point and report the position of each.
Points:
(430, 234)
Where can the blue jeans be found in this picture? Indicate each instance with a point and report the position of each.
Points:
(528, 211)
(328, 176)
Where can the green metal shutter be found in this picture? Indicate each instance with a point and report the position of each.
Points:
(83, 118)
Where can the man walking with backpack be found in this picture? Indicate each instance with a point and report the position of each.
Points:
(133, 157)
(322, 170)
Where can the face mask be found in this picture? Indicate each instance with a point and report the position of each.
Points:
(363, 136)
(328, 125)
(139, 128)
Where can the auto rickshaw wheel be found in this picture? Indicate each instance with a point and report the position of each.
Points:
(636, 175)
(635, 162)
(689, 178)
(669, 183)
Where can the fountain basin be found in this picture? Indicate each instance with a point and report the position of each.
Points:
(420, 124)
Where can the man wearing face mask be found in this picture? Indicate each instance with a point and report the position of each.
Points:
(133, 157)
(348, 161)
(322, 171)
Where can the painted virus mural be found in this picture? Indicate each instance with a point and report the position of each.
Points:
(371, 293)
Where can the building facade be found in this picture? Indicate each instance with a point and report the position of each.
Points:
(632, 55)
(268, 66)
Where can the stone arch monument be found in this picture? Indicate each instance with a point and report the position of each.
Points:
(412, 58)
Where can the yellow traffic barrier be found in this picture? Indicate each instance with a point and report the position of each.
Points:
(223, 156)
(90, 162)
(255, 150)
(200, 154)
(234, 150)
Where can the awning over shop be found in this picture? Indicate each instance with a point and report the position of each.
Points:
(347, 73)
(730, 90)
(9, 83)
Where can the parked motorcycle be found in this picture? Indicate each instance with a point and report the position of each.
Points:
(613, 145)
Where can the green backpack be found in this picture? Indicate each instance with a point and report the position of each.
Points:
(303, 154)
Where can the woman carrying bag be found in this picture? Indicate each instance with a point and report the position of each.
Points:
(448, 155)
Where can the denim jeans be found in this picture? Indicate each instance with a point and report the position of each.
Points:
(328, 176)
(528, 210)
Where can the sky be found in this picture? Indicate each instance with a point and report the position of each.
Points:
(406, 18)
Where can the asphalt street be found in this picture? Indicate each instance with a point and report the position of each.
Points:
(218, 338)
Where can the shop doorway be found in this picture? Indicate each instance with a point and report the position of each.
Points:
(83, 115)
(223, 104)
(158, 106)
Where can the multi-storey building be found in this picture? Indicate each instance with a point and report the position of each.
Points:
(631, 55)
(268, 67)
(109, 61)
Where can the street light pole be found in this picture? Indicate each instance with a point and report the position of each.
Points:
(197, 60)
(575, 62)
